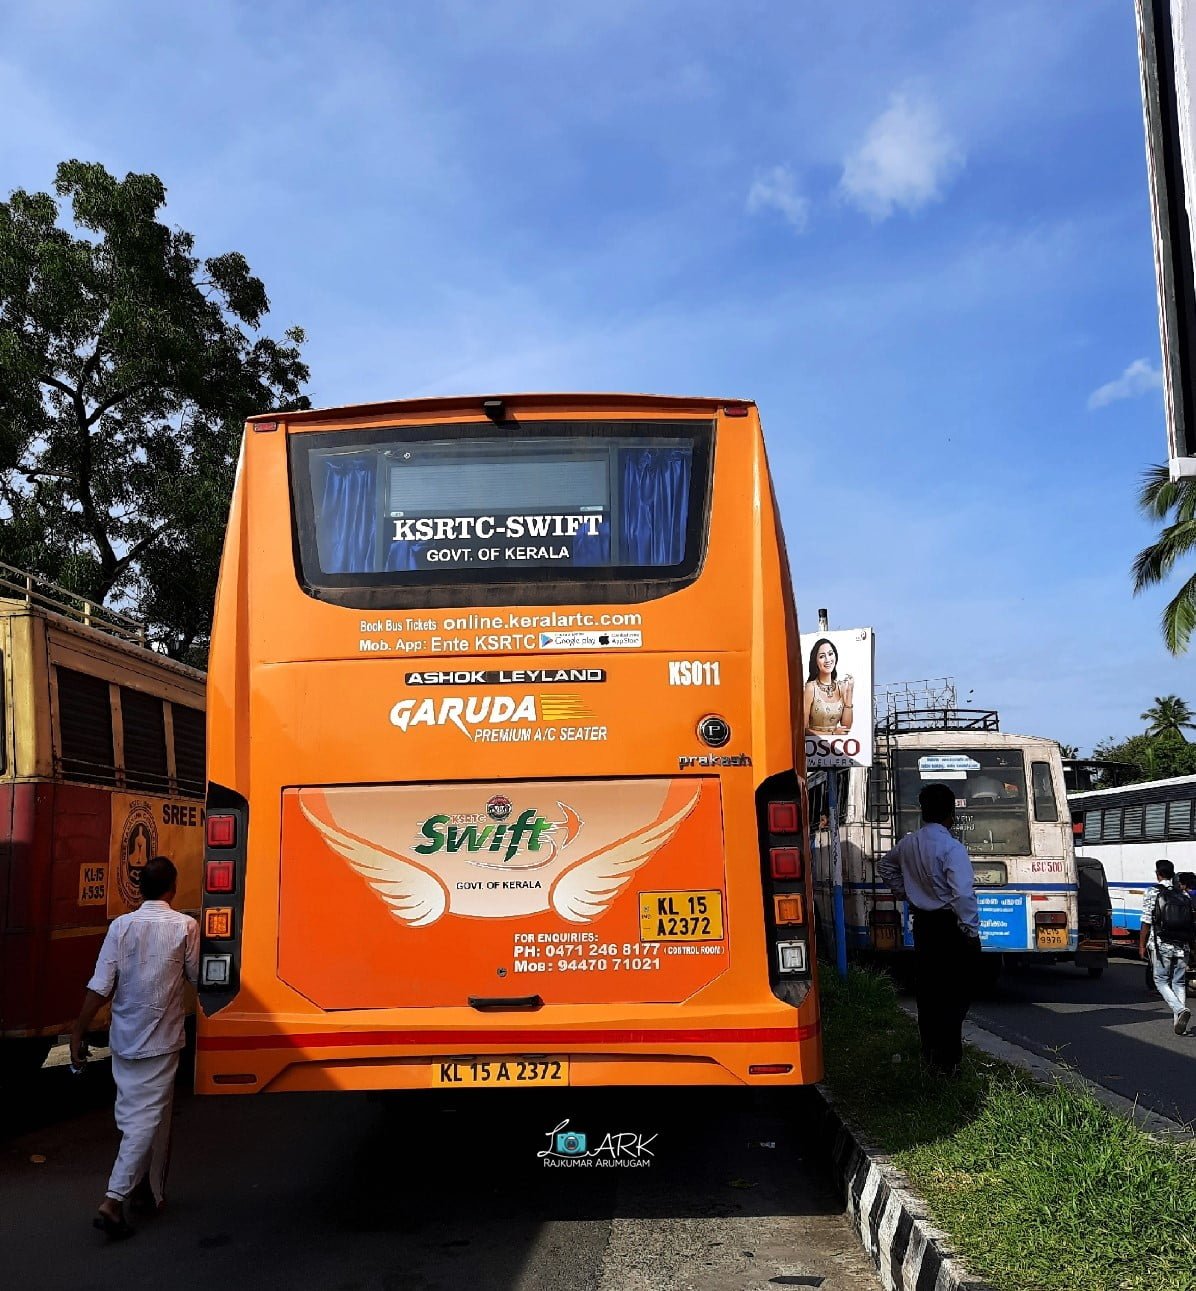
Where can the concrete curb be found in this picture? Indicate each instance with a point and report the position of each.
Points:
(909, 1253)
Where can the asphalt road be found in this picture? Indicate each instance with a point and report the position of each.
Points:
(345, 1191)
(1112, 1030)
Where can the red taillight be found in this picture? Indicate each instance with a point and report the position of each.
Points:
(1051, 918)
(782, 818)
(735, 410)
(222, 831)
(785, 862)
(770, 1068)
(1077, 828)
(218, 876)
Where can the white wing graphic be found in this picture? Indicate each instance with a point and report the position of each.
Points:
(414, 896)
(585, 891)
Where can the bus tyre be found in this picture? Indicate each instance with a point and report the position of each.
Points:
(988, 973)
(1096, 970)
(22, 1057)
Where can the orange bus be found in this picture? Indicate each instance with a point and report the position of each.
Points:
(101, 767)
(505, 774)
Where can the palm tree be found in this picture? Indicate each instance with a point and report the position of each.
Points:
(1069, 750)
(1168, 713)
(1158, 497)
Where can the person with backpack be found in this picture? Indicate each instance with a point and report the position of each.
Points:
(1168, 928)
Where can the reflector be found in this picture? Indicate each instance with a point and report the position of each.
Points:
(789, 909)
(218, 921)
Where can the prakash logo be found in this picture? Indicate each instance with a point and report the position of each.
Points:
(493, 716)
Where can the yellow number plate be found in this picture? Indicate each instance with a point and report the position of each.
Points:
(884, 937)
(681, 916)
(500, 1071)
(93, 885)
(1051, 938)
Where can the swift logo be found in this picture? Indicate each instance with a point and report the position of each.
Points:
(531, 832)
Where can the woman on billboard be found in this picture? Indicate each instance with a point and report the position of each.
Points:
(828, 698)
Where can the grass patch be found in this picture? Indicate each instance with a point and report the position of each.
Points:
(1041, 1187)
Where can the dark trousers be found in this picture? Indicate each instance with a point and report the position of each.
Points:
(944, 968)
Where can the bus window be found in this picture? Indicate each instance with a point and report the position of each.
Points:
(1179, 819)
(991, 815)
(1132, 822)
(144, 728)
(1045, 806)
(85, 727)
(189, 751)
(1155, 822)
(405, 509)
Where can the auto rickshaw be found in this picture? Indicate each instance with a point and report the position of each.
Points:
(1094, 915)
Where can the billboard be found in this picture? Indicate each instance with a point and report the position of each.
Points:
(1167, 57)
(837, 697)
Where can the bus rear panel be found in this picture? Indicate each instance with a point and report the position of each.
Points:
(504, 783)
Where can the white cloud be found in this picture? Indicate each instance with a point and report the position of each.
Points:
(776, 189)
(1139, 378)
(906, 159)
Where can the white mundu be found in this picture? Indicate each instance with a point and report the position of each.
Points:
(142, 964)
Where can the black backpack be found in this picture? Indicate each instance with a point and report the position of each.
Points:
(1174, 921)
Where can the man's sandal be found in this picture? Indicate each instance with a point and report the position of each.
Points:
(115, 1230)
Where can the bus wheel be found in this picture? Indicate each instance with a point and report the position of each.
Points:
(1096, 970)
(988, 973)
(21, 1057)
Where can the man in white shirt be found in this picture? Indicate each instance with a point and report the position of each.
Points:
(141, 968)
(931, 870)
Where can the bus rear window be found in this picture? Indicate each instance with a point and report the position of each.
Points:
(417, 506)
(991, 812)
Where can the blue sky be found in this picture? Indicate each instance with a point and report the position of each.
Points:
(917, 235)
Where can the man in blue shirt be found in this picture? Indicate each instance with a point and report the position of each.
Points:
(931, 870)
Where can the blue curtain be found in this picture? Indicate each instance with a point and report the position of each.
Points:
(348, 519)
(592, 549)
(403, 555)
(655, 505)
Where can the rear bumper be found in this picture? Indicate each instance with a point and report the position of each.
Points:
(248, 1061)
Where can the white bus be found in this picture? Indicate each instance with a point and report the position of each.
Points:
(1127, 830)
(1010, 814)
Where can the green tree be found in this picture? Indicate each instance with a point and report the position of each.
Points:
(1168, 713)
(1172, 501)
(1069, 750)
(1146, 757)
(127, 366)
